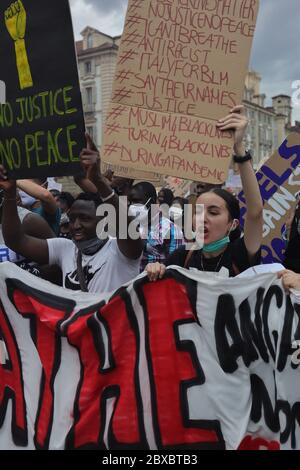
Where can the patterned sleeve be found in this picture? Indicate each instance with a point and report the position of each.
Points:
(176, 238)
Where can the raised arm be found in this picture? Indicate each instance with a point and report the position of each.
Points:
(85, 184)
(36, 226)
(90, 160)
(14, 235)
(253, 229)
(38, 192)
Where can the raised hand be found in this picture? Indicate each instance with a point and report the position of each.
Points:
(15, 20)
(90, 161)
(238, 122)
(5, 184)
(155, 271)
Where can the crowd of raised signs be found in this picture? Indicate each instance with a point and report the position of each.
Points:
(63, 238)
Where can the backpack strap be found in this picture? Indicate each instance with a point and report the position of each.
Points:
(235, 269)
(189, 257)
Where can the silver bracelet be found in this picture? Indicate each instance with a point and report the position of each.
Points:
(107, 198)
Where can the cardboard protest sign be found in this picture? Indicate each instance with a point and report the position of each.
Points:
(181, 67)
(279, 182)
(126, 172)
(41, 123)
(179, 187)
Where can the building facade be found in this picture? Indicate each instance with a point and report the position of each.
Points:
(97, 58)
(268, 126)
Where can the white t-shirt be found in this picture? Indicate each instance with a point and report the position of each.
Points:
(105, 271)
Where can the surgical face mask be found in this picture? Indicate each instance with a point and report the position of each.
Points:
(216, 246)
(139, 212)
(219, 244)
(27, 201)
(64, 235)
(175, 212)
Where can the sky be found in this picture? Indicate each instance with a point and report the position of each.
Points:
(276, 47)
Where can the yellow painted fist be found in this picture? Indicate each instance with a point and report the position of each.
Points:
(15, 20)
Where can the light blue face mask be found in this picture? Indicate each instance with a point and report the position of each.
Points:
(216, 246)
(219, 244)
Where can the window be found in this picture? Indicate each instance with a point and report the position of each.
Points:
(89, 95)
(89, 41)
(90, 131)
(88, 67)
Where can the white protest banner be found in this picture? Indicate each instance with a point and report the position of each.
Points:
(185, 368)
(279, 183)
(181, 67)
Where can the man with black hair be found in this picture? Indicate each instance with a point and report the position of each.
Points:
(121, 186)
(65, 201)
(87, 263)
(165, 196)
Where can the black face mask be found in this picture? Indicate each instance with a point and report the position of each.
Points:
(90, 247)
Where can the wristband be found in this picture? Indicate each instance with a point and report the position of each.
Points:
(107, 198)
(243, 159)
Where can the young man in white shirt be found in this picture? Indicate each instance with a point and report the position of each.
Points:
(87, 263)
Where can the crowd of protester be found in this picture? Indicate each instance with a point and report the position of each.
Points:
(56, 235)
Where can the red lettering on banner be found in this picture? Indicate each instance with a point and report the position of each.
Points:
(108, 409)
(258, 443)
(11, 384)
(47, 343)
(172, 367)
(102, 389)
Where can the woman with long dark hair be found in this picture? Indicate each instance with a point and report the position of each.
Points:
(222, 245)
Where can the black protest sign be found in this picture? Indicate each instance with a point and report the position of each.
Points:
(41, 123)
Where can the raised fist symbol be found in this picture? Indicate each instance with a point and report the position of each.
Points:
(15, 20)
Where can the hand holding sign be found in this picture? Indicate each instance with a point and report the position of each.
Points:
(237, 121)
(90, 161)
(6, 184)
(15, 20)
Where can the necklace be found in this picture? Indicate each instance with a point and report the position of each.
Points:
(218, 263)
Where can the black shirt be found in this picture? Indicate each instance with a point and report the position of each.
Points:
(292, 254)
(235, 258)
